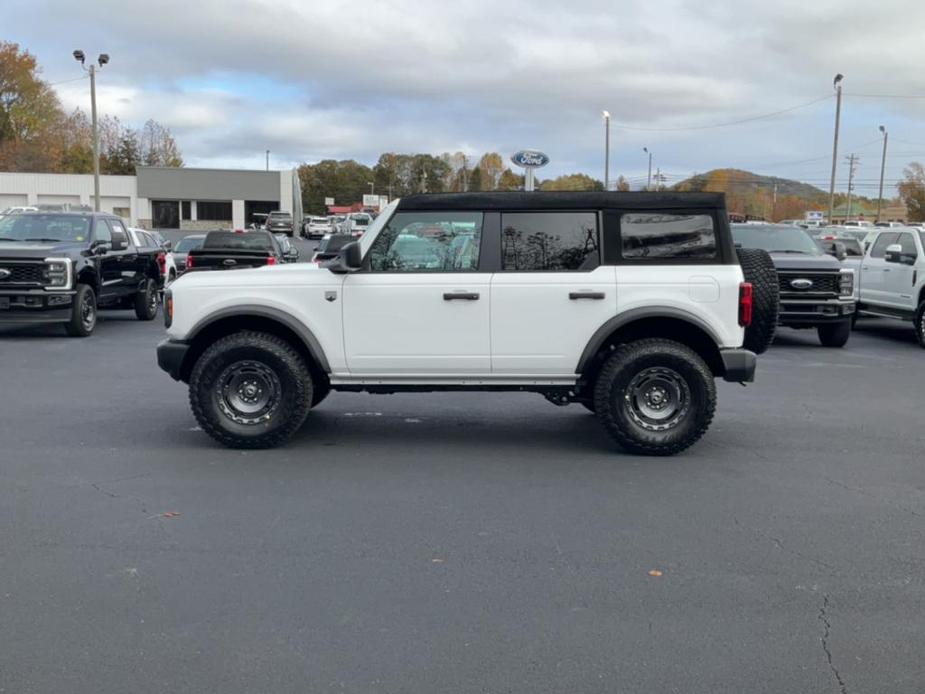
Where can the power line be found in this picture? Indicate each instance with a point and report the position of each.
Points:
(728, 123)
(75, 79)
(887, 96)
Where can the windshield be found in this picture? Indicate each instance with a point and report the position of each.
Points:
(775, 238)
(228, 239)
(189, 243)
(45, 228)
(280, 215)
(378, 223)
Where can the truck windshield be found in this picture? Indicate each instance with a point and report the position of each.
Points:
(45, 228)
(775, 238)
(229, 239)
(188, 243)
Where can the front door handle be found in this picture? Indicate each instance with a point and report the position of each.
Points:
(597, 296)
(460, 296)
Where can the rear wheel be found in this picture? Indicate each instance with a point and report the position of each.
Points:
(758, 269)
(655, 396)
(146, 301)
(835, 334)
(83, 312)
(250, 390)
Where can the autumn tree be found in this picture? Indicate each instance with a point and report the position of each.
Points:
(912, 191)
(491, 166)
(508, 180)
(157, 146)
(622, 184)
(574, 182)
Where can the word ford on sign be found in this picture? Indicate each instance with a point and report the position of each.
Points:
(530, 158)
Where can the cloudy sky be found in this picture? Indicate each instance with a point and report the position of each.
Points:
(315, 79)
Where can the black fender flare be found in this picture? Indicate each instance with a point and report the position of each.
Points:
(84, 267)
(609, 327)
(308, 338)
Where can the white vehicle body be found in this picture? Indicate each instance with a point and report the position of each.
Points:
(317, 227)
(892, 277)
(142, 239)
(398, 328)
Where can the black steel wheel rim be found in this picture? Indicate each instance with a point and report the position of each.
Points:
(87, 312)
(657, 398)
(248, 392)
(152, 299)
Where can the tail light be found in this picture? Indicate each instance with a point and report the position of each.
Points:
(162, 263)
(189, 261)
(745, 304)
(271, 260)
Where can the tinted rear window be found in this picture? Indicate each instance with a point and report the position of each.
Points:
(189, 243)
(549, 241)
(229, 239)
(660, 235)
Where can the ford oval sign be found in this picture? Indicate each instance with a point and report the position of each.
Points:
(801, 283)
(530, 159)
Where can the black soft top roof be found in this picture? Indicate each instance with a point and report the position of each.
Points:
(562, 201)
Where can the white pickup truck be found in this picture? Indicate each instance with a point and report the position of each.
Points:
(892, 277)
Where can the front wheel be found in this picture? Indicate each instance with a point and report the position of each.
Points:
(146, 301)
(919, 323)
(83, 312)
(250, 390)
(655, 396)
(834, 334)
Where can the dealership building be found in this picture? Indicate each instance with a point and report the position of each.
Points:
(165, 197)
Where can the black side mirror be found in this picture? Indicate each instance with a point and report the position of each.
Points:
(101, 248)
(119, 241)
(893, 253)
(348, 260)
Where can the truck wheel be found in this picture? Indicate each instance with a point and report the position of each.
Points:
(250, 390)
(655, 396)
(834, 334)
(146, 301)
(919, 323)
(758, 269)
(83, 312)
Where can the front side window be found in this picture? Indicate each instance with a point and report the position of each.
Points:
(908, 244)
(549, 241)
(661, 235)
(428, 242)
(103, 232)
(884, 239)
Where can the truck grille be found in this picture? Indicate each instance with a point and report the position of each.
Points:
(19, 273)
(823, 284)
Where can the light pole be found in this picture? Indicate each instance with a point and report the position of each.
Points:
(606, 115)
(372, 187)
(837, 84)
(886, 136)
(268, 160)
(649, 177)
(102, 60)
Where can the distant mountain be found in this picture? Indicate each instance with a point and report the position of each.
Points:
(745, 182)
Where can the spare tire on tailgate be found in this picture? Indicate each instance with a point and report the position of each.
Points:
(758, 269)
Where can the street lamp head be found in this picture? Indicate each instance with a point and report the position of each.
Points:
(79, 56)
(882, 129)
(103, 59)
(838, 78)
(645, 149)
(606, 115)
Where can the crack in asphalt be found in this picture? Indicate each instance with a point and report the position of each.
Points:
(827, 628)
(870, 495)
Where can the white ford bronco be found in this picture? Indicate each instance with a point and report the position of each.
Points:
(630, 304)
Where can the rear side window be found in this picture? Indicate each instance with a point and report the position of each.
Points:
(549, 241)
(884, 239)
(661, 235)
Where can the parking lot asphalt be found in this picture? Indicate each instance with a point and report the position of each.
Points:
(460, 542)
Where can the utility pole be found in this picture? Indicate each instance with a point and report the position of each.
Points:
(372, 187)
(606, 115)
(268, 160)
(852, 163)
(649, 176)
(837, 84)
(658, 178)
(774, 201)
(102, 60)
(886, 135)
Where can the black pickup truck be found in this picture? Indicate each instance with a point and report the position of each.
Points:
(816, 290)
(233, 250)
(59, 267)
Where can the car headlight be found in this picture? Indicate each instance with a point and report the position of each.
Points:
(57, 274)
(846, 283)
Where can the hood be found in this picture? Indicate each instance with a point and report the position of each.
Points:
(39, 251)
(794, 261)
(285, 275)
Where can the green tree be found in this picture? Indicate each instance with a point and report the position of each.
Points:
(508, 180)
(345, 181)
(125, 156)
(575, 182)
(912, 191)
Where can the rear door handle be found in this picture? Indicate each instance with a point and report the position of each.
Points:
(597, 296)
(460, 296)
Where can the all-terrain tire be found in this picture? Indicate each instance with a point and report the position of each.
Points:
(758, 269)
(83, 312)
(249, 359)
(919, 323)
(834, 334)
(633, 375)
(146, 301)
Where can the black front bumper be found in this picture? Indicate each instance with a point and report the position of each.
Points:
(170, 357)
(739, 365)
(35, 306)
(809, 313)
